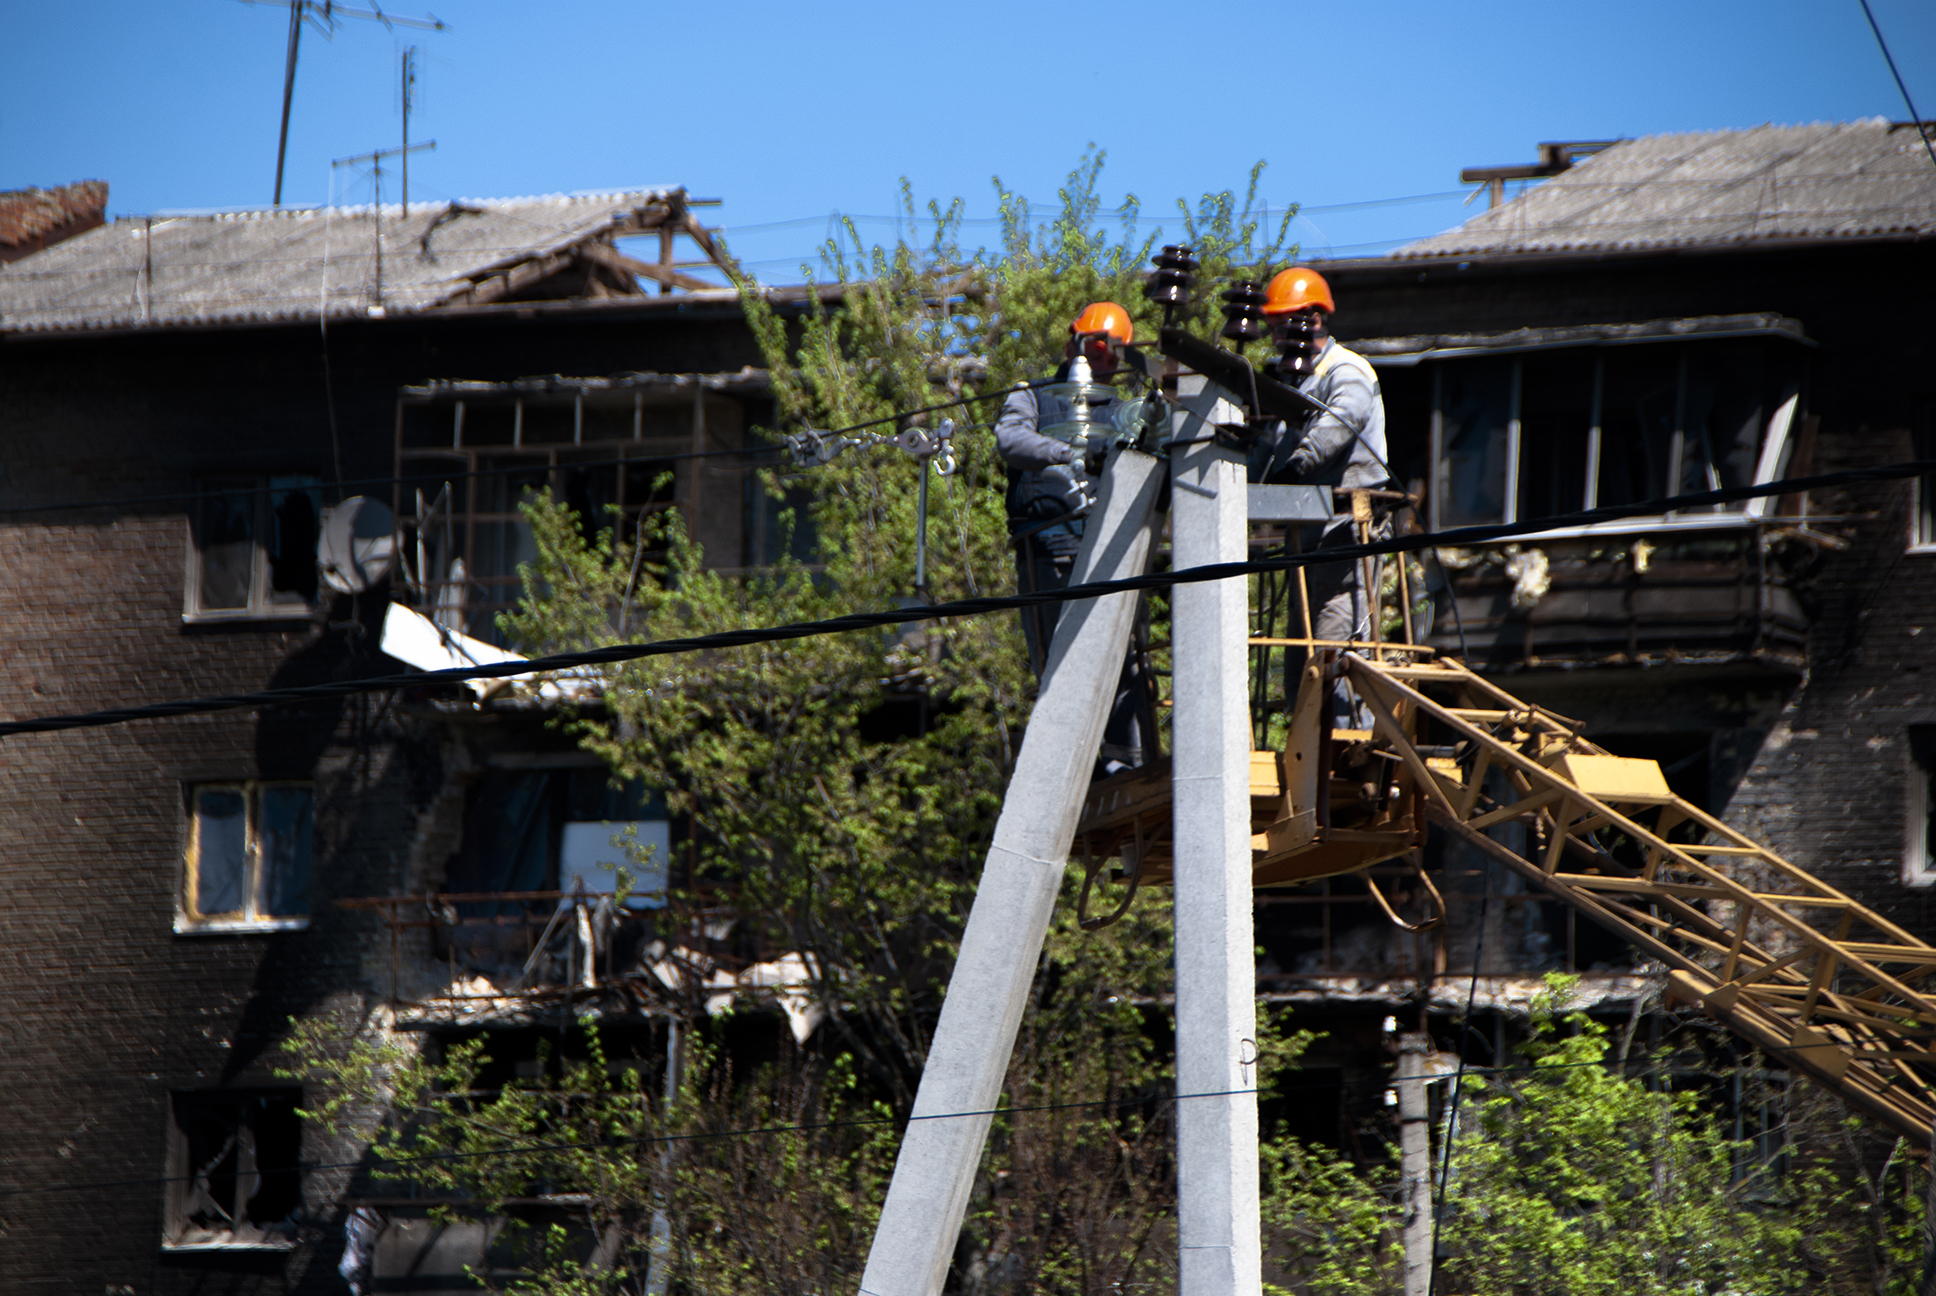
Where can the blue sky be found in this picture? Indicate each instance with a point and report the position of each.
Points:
(792, 112)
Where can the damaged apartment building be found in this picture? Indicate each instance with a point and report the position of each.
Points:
(1658, 316)
(210, 427)
(189, 405)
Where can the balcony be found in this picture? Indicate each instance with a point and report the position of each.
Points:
(1709, 589)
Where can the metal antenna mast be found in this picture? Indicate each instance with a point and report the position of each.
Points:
(375, 159)
(409, 87)
(324, 13)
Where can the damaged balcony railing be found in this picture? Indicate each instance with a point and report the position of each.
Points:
(527, 949)
(1705, 588)
(1337, 928)
(505, 957)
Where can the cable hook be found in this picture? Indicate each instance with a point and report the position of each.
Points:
(1426, 924)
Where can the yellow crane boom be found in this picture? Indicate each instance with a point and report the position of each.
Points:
(1801, 970)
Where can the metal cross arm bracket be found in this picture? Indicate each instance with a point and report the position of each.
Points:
(1267, 396)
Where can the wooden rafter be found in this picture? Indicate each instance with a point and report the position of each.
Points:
(608, 271)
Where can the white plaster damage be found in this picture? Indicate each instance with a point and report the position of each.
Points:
(416, 640)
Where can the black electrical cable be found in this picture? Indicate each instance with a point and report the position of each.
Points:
(761, 1131)
(642, 460)
(958, 608)
(1915, 118)
(1458, 1085)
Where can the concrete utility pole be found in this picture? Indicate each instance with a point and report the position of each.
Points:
(969, 1055)
(1415, 1144)
(1219, 1235)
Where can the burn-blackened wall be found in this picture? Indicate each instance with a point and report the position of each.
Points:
(111, 1015)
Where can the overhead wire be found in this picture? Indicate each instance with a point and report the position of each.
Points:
(852, 621)
(764, 1131)
(1915, 118)
(641, 460)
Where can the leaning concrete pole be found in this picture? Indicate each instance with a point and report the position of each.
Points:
(1219, 1235)
(1013, 901)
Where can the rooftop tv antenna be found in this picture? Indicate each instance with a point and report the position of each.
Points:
(375, 161)
(409, 84)
(322, 15)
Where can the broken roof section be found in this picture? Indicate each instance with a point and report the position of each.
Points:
(296, 264)
(1864, 179)
(32, 219)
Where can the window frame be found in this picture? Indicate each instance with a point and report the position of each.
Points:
(184, 1178)
(253, 916)
(1919, 806)
(1922, 490)
(261, 488)
(1780, 424)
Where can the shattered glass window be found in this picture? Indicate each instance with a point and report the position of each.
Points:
(295, 524)
(235, 1175)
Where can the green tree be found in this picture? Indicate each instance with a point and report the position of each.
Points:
(1571, 1177)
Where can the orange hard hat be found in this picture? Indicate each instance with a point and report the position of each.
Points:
(1295, 290)
(1105, 317)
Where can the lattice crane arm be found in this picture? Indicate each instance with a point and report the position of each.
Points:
(1798, 968)
(1790, 963)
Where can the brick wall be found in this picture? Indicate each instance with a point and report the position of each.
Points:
(108, 1010)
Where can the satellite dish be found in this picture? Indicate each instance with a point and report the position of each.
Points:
(357, 545)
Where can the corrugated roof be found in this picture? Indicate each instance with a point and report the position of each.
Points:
(1826, 181)
(291, 264)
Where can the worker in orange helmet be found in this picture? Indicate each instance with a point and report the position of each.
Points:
(1343, 449)
(1051, 487)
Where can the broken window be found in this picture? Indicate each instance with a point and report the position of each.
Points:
(234, 1170)
(549, 830)
(254, 551)
(1919, 848)
(248, 858)
(532, 833)
(1923, 434)
(1549, 432)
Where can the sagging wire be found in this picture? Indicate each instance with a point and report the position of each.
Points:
(960, 607)
(762, 1131)
(642, 461)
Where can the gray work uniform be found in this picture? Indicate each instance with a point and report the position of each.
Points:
(1344, 454)
(1047, 484)
(1047, 476)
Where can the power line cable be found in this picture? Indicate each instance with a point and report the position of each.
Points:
(1915, 118)
(642, 460)
(1458, 1086)
(762, 1131)
(1459, 536)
